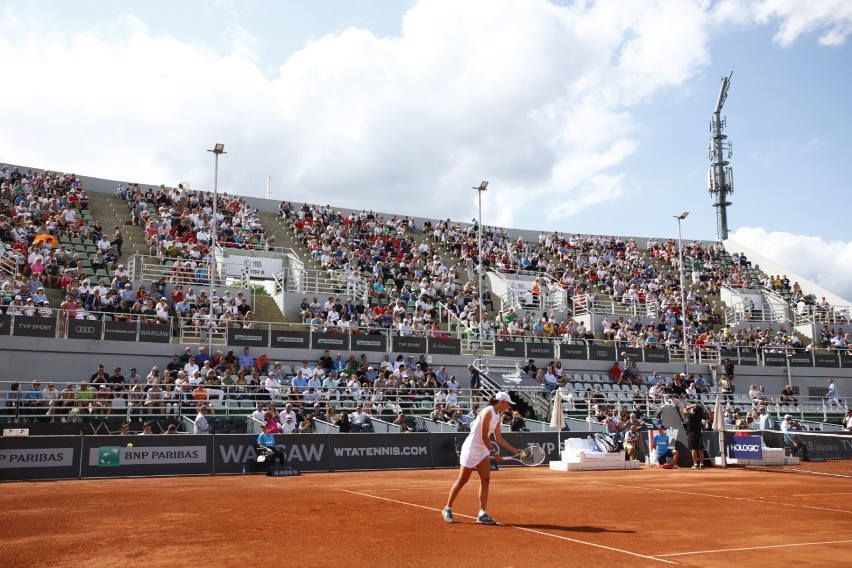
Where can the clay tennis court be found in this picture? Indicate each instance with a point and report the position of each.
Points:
(648, 517)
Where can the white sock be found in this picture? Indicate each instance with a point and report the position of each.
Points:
(482, 512)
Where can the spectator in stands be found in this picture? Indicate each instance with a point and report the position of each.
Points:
(846, 422)
(342, 422)
(765, 421)
(246, 361)
(360, 420)
(202, 426)
(831, 396)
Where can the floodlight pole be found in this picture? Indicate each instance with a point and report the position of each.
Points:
(211, 275)
(680, 218)
(479, 191)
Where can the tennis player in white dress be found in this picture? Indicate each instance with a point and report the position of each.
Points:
(475, 454)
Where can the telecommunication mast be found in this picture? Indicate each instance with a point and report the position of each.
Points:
(720, 178)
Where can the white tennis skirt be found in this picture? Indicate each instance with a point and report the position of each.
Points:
(470, 455)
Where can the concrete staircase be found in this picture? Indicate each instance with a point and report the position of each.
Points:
(111, 212)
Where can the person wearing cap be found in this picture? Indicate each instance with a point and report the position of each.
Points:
(476, 452)
(661, 446)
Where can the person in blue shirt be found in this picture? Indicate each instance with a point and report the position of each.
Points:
(663, 450)
(266, 446)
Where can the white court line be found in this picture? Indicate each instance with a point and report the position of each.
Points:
(819, 494)
(611, 549)
(756, 547)
(761, 500)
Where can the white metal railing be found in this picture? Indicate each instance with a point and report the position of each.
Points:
(608, 305)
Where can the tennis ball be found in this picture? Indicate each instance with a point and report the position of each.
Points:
(130, 445)
(523, 454)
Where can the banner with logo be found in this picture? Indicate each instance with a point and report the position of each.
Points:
(369, 342)
(439, 346)
(5, 324)
(845, 360)
(748, 357)
(826, 359)
(635, 353)
(120, 330)
(307, 452)
(39, 457)
(161, 454)
(290, 339)
(572, 351)
(771, 359)
(541, 350)
(408, 344)
(248, 337)
(330, 341)
(744, 447)
(84, 329)
(602, 353)
(155, 333)
(512, 349)
(515, 382)
(380, 451)
(31, 326)
(656, 355)
(801, 360)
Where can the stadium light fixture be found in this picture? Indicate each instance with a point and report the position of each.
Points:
(684, 343)
(479, 190)
(218, 149)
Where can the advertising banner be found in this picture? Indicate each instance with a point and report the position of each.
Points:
(155, 333)
(31, 326)
(541, 350)
(369, 343)
(5, 324)
(248, 337)
(826, 359)
(330, 341)
(408, 344)
(380, 451)
(120, 330)
(774, 359)
(572, 351)
(634, 353)
(307, 452)
(515, 382)
(845, 360)
(40, 457)
(748, 357)
(513, 349)
(110, 456)
(84, 329)
(602, 353)
(439, 346)
(656, 355)
(801, 360)
(290, 339)
(744, 447)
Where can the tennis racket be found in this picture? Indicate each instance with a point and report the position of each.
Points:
(530, 456)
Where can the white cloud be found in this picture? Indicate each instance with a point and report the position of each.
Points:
(831, 18)
(828, 264)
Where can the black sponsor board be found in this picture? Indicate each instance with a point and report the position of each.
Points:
(731, 354)
(826, 359)
(155, 333)
(339, 341)
(248, 337)
(120, 330)
(30, 326)
(748, 357)
(602, 353)
(110, 456)
(541, 350)
(845, 360)
(290, 339)
(439, 346)
(369, 343)
(774, 359)
(5, 324)
(801, 360)
(40, 457)
(578, 351)
(408, 344)
(84, 329)
(634, 353)
(306, 452)
(380, 451)
(519, 381)
(656, 355)
(514, 349)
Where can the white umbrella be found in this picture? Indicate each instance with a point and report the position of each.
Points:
(557, 417)
(719, 427)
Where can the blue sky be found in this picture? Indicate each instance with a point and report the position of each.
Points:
(585, 117)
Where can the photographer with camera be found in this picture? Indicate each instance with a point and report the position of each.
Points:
(695, 416)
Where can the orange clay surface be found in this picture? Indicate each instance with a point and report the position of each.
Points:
(647, 517)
